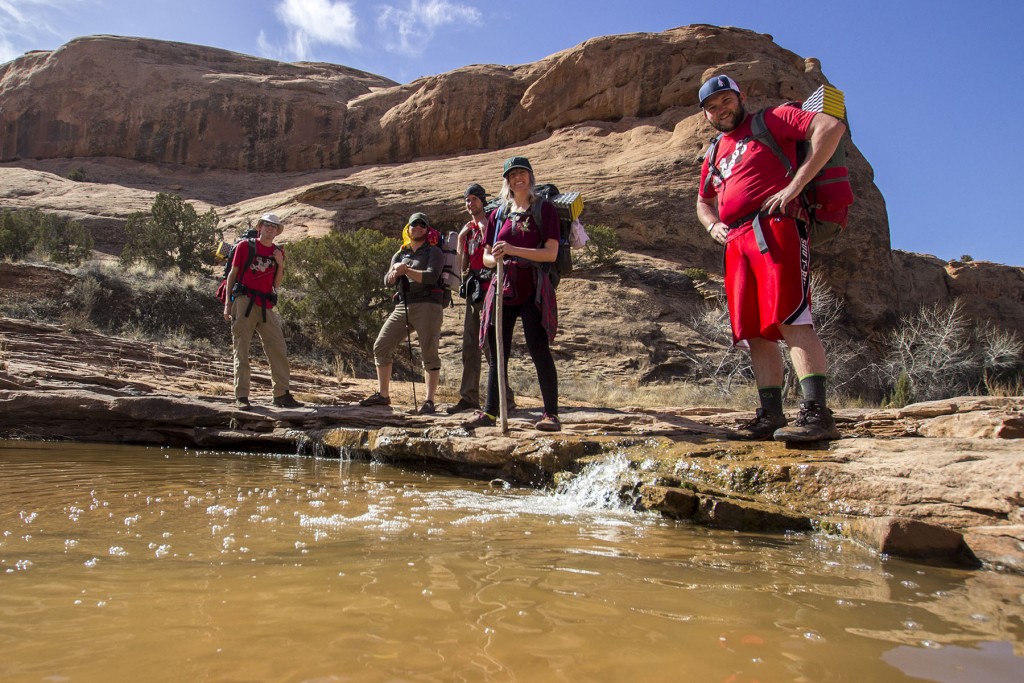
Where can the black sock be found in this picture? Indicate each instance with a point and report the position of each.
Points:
(813, 388)
(771, 399)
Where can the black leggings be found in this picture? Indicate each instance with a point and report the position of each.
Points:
(540, 352)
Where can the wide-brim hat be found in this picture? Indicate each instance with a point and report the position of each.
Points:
(272, 219)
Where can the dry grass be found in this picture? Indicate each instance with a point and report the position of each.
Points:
(682, 394)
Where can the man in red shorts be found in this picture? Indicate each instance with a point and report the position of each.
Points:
(768, 293)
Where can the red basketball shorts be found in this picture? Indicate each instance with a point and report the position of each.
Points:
(771, 289)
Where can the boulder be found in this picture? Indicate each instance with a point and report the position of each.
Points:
(913, 539)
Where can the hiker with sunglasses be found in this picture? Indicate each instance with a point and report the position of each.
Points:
(751, 205)
(415, 272)
(251, 286)
(523, 244)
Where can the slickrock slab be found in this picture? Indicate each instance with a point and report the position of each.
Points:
(967, 488)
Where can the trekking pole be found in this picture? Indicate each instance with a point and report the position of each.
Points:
(408, 339)
(499, 334)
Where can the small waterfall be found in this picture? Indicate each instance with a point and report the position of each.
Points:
(599, 486)
(313, 446)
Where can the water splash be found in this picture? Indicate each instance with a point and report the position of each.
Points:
(599, 485)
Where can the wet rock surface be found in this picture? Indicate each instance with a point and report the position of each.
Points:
(890, 483)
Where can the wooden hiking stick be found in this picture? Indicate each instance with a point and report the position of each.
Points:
(499, 334)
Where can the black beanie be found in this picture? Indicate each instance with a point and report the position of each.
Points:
(475, 189)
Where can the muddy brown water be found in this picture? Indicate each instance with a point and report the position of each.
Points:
(146, 564)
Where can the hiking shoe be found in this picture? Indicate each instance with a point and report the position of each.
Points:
(243, 403)
(376, 400)
(510, 402)
(762, 427)
(814, 424)
(286, 400)
(481, 419)
(549, 423)
(427, 408)
(461, 406)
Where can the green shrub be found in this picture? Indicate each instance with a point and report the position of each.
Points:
(64, 240)
(902, 394)
(18, 235)
(61, 239)
(602, 249)
(171, 234)
(336, 287)
(696, 274)
(76, 174)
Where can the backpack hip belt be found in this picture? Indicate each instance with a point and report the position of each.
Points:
(762, 244)
(241, 290)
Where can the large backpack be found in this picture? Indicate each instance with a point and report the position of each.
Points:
(827, 197)
(569, 205)
(229, 254)
(450, 280)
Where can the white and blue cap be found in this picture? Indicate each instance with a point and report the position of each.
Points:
(717, 84)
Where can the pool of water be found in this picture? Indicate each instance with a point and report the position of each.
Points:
(136, 564)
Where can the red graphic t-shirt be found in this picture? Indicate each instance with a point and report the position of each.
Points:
(260, 276)
(751, 170)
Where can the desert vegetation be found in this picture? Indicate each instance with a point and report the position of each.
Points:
(161, 289)
(58, 239)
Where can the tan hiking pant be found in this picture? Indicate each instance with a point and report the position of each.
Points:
(270, 333)
(424, 318)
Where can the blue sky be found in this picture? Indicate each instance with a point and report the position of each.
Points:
(927, 84)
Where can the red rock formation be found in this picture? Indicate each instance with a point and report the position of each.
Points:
(614, 117)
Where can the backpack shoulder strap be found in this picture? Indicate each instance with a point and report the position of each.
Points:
(759, 131)
(499, 218)
(250, 256)
(538, 219)
(712, 156)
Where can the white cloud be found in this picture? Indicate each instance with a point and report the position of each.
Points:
(313, 22)
(409, 30)
(7, 51)
(23, 22)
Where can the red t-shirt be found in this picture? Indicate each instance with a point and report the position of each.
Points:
(519, 230)
(261, 273)
(751, 170)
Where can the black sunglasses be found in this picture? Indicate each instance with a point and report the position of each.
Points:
(419, 224)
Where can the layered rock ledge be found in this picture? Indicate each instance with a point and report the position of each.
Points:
(939, 482)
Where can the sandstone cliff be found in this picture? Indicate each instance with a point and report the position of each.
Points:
(333, 148)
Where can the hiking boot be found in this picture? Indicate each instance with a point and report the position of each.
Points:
(243, 403)
(461, 406)
(376, 400)
(481, 419)
(814, 424)
(762, 427)
(427, 408)
(286, 400)
(510, 402)
(549, 423)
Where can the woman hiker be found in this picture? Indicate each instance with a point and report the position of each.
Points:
(522, 243)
